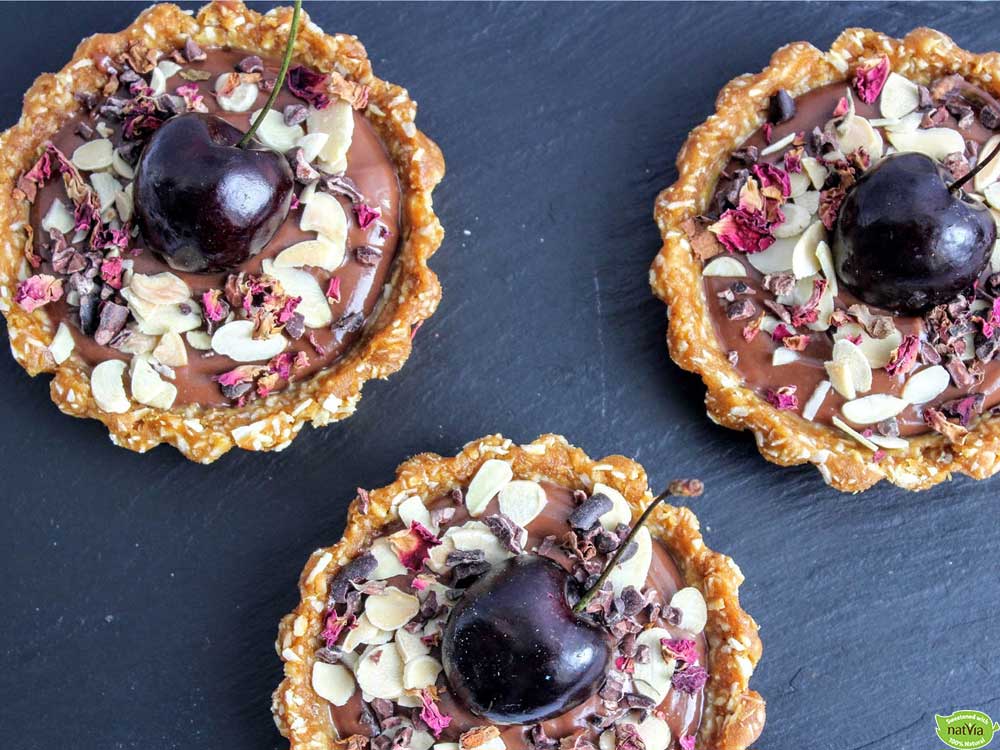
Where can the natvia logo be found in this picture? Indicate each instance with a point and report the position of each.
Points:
(966, 730)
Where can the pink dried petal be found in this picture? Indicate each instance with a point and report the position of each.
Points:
(690, 680)
(842, 106)
(793, 160)
(366, 214)
(436, 721)
(625, 664)
(193, 98)
(869, 80)
(905, 356)
(288, 309)
(282, 365)
(333, 290)
(111, 272)
(308, 85)
(771, 175)
(684, 649)
(212, 305)
(412, 546)
(783, 398)
(38, 290)
(335, 626)
(418, 583)
(878, 456)
(781, 332)
(687, 742)
(768, 132)
(808, 311)
(740, 231)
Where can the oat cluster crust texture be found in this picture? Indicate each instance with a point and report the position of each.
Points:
(733, 715)
(675, 276)
(204, 434)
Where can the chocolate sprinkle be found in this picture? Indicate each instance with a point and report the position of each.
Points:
(589, 511)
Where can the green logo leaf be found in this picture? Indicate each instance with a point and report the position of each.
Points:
(966, 730)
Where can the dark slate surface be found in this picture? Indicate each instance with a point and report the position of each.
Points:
(141, 593)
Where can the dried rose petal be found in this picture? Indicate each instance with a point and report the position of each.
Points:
(782, 398)
(793, 159)
(334, 627)
(808, 311)
(869, 80)
(366, 214)
(741, 231)
(690, 680)
(687, 741)
(431, 715)
(771, 175)
(38, 290)
(333, 290)
(627, 738)
(308, 85)
(214, 306)
(904, 357)
(412, 546)
(684, 649)
(111, 272)
(842, 106)
(194, 101)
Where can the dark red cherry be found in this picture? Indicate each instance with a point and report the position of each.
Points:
(203, 203)
(905, 242)
(513, 650)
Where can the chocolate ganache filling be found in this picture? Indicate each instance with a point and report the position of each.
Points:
(775, 237)
(425, 564)
(287, 316)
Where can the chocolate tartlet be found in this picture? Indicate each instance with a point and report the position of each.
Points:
(499, 599)
(830, 259)
(186, 289)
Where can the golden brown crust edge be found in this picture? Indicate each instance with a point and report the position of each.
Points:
(782, 437)
(733, 714)
(199, 433)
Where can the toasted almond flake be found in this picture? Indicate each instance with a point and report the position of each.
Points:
(825, 259)
(522, 501)
(992, 194)
(796, 220)
(122, 167)
(694, 611)
(171, 351)
(388, 562)
(391, 609)
(364, 633)
(633, 571)
(877, 351)
(872, 409)
(906, 124)
(160, 289)
(804, 260)
(656, 672)
(240, 99)
(475, 535)
(783, 356)
(410, 645)
(857, 133)
(58, 217)
(899, 97)
(492, 477)
(106, 187)
(890, 442)
(809, 201)
(816, 171)
(936, 143)
(336, 121)
(815, 401)
(235, 340)
(148, 387)
(842, 425)
(841, 378)
(380, 672)
(799, 184)
(413, 509)
(991, 172)
(311, 145)
(124, 204)
(775, 259)
(320, 253)
(850, 354)
(93, 155)
(421, 673)
(778, 145)
(324, 215)
(275, 134)
(62, 344)
(723, 265)
(332, 682)
(108, 388)
(926, 384)
(620, 513)
(199, 340)
(315, 307)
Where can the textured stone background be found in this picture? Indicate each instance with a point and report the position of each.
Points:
(141, 593)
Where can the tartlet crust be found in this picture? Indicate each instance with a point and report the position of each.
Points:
(783, 437)
(733, 715)
(203, 434)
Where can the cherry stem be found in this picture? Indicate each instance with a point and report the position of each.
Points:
(677, 488)
(286, 61)
(973, 172)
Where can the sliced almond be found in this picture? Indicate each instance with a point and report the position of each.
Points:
(324, 215)
(991, 172)
(783, 356)
(391, 609)
(165, 318)
(58, 217)
(992, 194)
(319, 253)
(199, 340)
(106, 187)
(108, 388)
(936, 143)
(890, 442)
(796, 220)
(446, 746)
(410, 645)
(364, 633)
(877, 351)
(419, 740)
(308, 192)
(438, 555)
(235, 340)
(620, 513)
(62, 344)
(240, 99)
(900, 96)
(657, 671)
(775, 259)
(856, 132)
(148, 387)
(804, 260)
(690, 603)
(380, 672)
(779, 144)
(846, 428)
(926, 384)
(475, 535)
(421, 673)
(905, 124)
(808, 201)
(275, 134)
(522, 501)
(850, 354)
(388, 561)
(315, 307)
(312, 144)
(160, 289)
(336, 121)
(157, 83)
(413, 509)
(124, 205)
(93, 155)
(799, 183)
(816, 171)
(122, 168)
(872, 409)
(722, 265)
(812, 406)
(825, 258)
(171, 350)
(332, 682)
(633, 571)
(654, 732)
(138, 342)
(841, 379)
(492, 477)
